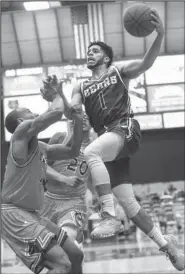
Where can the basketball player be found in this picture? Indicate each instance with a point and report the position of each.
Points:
(37, 241)
(107, 105)
(66, 187)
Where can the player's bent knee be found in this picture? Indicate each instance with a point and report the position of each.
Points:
(56, 258)
(65, 264)
(74, 253)
(78, 255)
(131, 206)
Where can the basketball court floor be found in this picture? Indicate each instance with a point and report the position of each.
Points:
(112, 257)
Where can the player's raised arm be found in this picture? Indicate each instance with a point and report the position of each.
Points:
(52, 83)
(24, 125)
(76, 101)
(46, 119)
(135, 68)
(60, 151)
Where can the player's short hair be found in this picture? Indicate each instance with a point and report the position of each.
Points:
(107, 49)
(11, 121)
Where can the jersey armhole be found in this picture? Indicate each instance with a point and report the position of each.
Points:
(81, 91)
(121, 79)
(27, 162)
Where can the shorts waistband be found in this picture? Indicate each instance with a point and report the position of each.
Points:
(111, 125)
(11, 206)
(59, 196)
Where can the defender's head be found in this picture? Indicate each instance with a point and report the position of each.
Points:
(16, 116)
(99, 53)
(85, 126)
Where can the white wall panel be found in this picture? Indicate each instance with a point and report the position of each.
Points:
(133, 45)
(46, 24)
(175, 14)
(68, 48)
(30, 52)
(9, 54)
(66, 33)
(50, 50)
(24, 26)
(112, 20)
(7, 33)
(175, 40)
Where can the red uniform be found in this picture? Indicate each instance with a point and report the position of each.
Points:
(23, 228)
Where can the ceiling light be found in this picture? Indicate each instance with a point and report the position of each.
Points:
(36, 5)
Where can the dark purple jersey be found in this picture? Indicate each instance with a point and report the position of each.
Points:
(106, 99)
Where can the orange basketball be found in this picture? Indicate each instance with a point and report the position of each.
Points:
(137, 20)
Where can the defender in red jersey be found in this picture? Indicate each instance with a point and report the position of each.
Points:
(37, 241)
(106, 100)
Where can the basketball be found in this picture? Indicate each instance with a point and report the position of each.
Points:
(137, 20)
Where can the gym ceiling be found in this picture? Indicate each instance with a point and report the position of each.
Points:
(46, 37)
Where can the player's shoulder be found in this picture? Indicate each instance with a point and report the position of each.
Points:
(22, 129)
(118, 66)
(121, 69)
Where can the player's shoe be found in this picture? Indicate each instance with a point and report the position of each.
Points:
(173, 253)
(108, 227)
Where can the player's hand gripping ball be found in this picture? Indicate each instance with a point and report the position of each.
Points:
(138, 20)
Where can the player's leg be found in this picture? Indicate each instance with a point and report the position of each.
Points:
(31, 241)
(105, 148)
(72, 250)
(123, 190)
(56, 260)
(73, 222)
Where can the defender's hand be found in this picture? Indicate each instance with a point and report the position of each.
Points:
(77, 113)
(76, 109)
(49, 90)
(73, 181)
(156, 21)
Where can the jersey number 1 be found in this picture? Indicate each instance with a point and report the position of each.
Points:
(102, 101)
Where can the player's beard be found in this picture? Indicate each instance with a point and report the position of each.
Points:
(95, 65)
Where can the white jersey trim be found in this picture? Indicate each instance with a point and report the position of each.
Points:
(121, 79)
(28, 161)
(55, 196)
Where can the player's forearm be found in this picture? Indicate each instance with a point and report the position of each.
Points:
(51, 116)
(153, 52)
(67, 106)
(77, 137)
(67, 112)
(52, 174)
(57, 104)
(44, 120)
